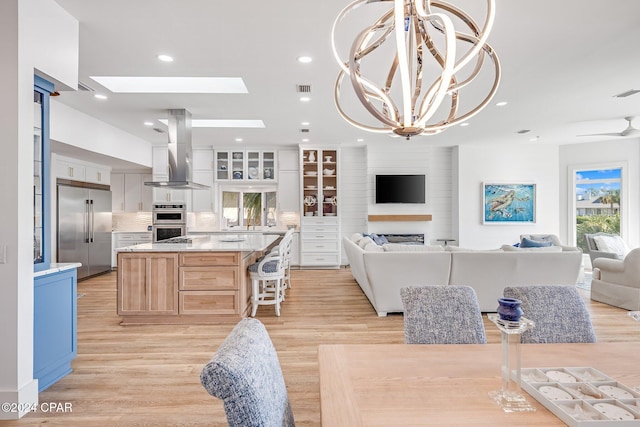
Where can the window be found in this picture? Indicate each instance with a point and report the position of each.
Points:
(248, 207)
(597, 195)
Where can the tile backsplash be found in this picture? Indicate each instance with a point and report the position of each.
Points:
(127, 221)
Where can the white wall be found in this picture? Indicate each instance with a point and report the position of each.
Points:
(22, 24)
(413, 157)
(354, 195)
(505, 164)
(625, 152)
(75, 128)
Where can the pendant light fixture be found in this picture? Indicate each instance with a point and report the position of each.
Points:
(433, 50)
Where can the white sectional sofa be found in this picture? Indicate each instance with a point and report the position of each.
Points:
(382, 273)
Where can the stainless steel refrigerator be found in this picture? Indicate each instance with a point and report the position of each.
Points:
(84, 228)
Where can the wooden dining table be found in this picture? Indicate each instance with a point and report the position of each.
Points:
(448, 385)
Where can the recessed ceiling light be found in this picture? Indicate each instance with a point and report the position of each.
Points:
(501, 103)
(100, 96)
(216, 123)
(239, 140)
(124, 84)
(360, 140)
(148, 123)
(165, 58)
(305, 59)
(305, 140)
(535, 138)
(305, 123)
(465, 124)
(305, 99)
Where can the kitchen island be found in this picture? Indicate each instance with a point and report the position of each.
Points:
(194, 279)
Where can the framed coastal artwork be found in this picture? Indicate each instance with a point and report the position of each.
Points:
(509, 203)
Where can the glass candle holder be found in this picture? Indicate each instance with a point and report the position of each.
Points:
(510, 397)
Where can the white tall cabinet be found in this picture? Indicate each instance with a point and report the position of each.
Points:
(320, 244)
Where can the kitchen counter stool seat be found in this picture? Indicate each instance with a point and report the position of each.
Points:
(267, 281)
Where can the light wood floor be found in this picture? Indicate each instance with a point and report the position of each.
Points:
(149, 375)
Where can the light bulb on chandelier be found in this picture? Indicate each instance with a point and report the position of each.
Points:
(426, 45)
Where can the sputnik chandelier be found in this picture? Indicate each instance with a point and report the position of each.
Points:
(427, 45)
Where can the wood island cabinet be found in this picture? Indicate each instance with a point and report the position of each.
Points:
(183, 287)
(146, 284)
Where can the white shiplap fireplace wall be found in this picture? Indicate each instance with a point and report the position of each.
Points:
(413, 157)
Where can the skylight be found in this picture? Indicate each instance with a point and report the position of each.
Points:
(128, 84)
(222, 123)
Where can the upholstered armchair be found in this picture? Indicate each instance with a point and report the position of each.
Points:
(605, 245)
(617, 281)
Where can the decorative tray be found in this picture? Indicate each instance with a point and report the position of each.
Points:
(583, 396)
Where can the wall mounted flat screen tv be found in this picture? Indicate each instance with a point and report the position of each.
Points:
(400, 189)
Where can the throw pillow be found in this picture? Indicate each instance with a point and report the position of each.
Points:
(355, 237)
(399, 247)
(613, 244)
(365, 241)
(529, 243)
(380, 240)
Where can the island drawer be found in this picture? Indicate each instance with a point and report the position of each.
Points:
(208, 302)
(208, 278)
(196, 259)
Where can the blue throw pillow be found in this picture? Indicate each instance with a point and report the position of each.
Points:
(528, 243)
(380, 240)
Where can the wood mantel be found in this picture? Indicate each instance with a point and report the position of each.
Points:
(378, 218)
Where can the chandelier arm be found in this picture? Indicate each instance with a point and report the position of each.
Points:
(438, 91)
(381, 24)
(339, 18)
(481, 36)
(480, 106)
(417, 83)
(358, 82)
(400, 15)
(345, 116)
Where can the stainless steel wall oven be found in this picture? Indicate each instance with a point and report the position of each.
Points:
(169, 220)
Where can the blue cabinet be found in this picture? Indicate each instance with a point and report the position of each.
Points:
(55, 325)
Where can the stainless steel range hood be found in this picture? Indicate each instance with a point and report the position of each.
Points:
(180, 153)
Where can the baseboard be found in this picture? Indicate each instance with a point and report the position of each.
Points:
(16, 404)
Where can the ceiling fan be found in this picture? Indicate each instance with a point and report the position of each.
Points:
(629, 131)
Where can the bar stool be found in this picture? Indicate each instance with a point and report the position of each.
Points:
(267, 280)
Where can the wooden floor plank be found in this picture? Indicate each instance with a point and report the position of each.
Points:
(148, 375)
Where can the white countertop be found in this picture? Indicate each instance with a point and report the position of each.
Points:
(57, 267)
(210, 243)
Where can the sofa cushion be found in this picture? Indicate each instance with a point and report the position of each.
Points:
(373, 247)
(509, 248)
(450, 248)
(365, 241)
(355, 237)
(613, 244)
(399, 247)
(530, 243)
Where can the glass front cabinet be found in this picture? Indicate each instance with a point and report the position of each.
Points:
(320, 244)
(249, 165)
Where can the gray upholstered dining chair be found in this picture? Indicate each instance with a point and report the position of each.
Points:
(442, 315)
(245, 374)
(559, 313)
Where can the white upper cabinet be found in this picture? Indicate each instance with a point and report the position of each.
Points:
(79, 170)
(129, 194)
(249, 165)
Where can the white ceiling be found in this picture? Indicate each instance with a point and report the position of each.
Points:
(562, 62)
